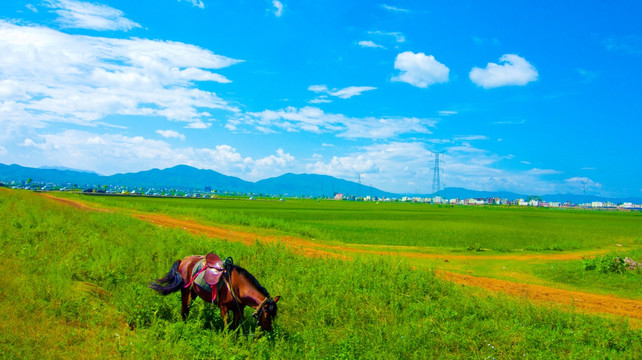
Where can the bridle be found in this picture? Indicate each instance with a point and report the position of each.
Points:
(259, 310)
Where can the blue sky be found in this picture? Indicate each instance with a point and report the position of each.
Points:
(531, 97)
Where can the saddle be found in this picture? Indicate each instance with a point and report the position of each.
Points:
(213, 269)
(208, 272)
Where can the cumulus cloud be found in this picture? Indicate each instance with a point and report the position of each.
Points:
(344, 93)
(404, 167)
(50, 76)
(86, 150)
(315, 120)
(419, 69)
(87, 15)
(511, 70)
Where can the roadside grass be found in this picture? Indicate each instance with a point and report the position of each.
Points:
(74, 285)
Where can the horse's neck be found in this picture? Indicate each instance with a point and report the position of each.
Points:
(248, 293)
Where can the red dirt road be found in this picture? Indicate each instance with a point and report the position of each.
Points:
(588, 302)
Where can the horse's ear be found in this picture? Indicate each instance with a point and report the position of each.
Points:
(276, 299)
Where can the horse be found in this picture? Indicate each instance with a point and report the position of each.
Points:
(237, 289)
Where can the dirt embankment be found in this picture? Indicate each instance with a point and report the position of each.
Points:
(580, 300)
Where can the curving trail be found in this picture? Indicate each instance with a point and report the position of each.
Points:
(594, 303)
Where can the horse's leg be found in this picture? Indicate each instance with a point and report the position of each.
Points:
(224, 314)
(236, 319)
(186, 297)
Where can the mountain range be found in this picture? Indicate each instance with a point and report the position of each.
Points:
(183, 177)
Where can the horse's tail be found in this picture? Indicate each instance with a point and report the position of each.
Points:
(170, 283)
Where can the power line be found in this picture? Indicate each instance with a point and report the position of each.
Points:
(437, 170)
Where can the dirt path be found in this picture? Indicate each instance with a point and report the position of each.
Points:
(588, 302)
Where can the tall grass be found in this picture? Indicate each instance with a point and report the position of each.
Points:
(74, 285)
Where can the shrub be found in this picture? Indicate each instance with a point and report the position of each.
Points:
(612, 263)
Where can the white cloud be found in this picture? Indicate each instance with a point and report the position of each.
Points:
(405, 167)
(447, 112)
(195, 3)
(344, 93)
(50, 76)
(370, 44)
(87, 15)
(86, 150)
(581, 184)
(394, 166)
(351, 91)
(536, 171)
(314, 120)
(394, 8)
(278, 8)
(318, 88)
(398, 36)
(420, 70)
(323, 99)
(470, 138)
(170, 134)
(512, 70)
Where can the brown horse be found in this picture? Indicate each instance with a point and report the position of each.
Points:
(239, 288)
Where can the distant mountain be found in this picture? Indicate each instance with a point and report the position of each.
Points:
(181, 177)
(188, 178)
(316, 185)
(58, 176)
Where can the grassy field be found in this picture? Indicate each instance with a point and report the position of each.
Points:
(477, 232)
(409, 224)
(74, 285)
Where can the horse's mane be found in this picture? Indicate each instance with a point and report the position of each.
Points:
(252, 280)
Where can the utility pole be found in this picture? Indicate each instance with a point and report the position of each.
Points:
(436, 182)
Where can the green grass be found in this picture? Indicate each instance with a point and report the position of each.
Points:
(445, 230)
(496, 228)
(74, 285)
(626, 283)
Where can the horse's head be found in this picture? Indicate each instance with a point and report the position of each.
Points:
(266, 312)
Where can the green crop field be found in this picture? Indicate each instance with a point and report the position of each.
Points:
(408, 224)
(74, 282)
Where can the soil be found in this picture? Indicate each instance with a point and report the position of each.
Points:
(587, 302)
